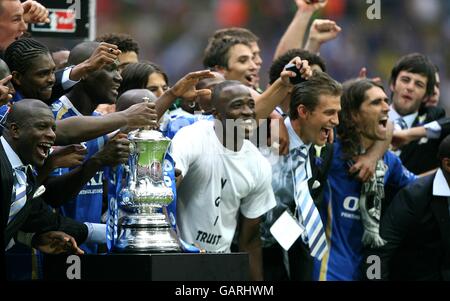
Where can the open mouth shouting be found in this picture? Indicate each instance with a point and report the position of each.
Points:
(43, 149)
(250, 78)
(383, 122)
(325, 133)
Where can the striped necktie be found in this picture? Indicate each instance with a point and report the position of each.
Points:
(401, 123)
(312, 222)
(19, 191)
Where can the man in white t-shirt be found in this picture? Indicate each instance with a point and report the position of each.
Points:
(225, 180)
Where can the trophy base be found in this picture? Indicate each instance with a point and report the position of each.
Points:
(146, 234)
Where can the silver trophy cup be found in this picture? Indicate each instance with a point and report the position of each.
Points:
(143, 224)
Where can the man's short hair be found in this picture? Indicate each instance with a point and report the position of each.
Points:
(217, 52)
(419, 64)
(123, 41)
(354, 94)
(238, 32)
(307, 93)
(278, 64)
(19, 55)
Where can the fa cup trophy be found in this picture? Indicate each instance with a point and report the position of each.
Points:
(143, 225)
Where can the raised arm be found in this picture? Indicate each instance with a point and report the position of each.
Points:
(184, 88)
(63, 188)
(62, 156)
(34, 12)
(77, 129)
(280, 89)
(321, 31)
(295, 33)
(105, 54)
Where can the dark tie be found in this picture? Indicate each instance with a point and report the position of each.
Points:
(312, 222)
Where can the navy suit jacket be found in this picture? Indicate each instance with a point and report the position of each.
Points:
(35, 216)
(416, 227)
(421, 157)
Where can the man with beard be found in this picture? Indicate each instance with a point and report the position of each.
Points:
(351, 210)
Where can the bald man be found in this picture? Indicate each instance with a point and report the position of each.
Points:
(29, 133)
(26, 141)
(132, 97)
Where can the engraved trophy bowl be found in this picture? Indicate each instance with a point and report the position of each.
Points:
(144, 225)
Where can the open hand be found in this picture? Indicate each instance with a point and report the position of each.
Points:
(67, 156)
(185, 87)
(56, 242)
(5, 91)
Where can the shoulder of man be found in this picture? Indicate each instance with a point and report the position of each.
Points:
(432, 113)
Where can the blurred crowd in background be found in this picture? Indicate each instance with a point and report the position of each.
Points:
(173, 33)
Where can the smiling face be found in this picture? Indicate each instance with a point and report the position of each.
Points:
(104, 84)
(35, 136)
(316, 125)
(37, 82)
(12, 25)
(237, 105)
(241, 66)
(371, 119)
(408, 92)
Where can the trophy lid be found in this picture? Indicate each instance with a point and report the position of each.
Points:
(147, 135)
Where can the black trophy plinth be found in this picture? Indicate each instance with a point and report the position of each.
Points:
(148, 267)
